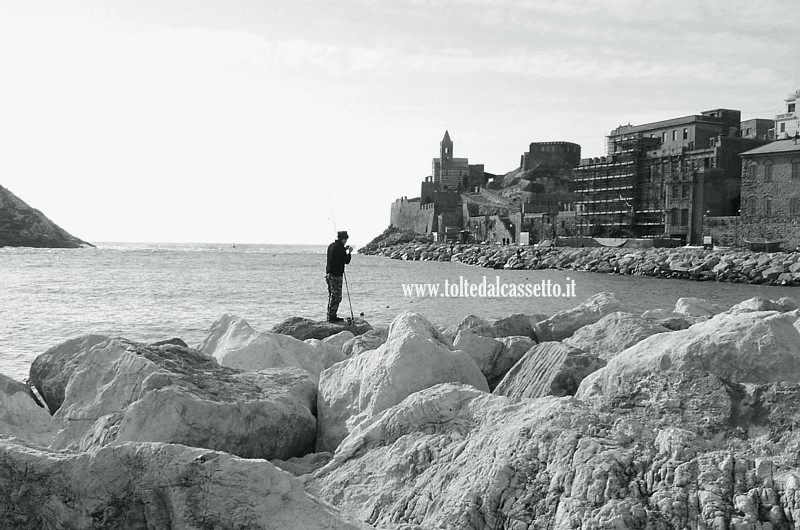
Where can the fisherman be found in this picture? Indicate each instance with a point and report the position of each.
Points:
(338, 257)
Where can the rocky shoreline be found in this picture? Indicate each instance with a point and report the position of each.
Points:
(730, 265)
(593, 417)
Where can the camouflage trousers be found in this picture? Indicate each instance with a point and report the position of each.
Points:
(334, 294)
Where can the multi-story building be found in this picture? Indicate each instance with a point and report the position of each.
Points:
(771, 193)
(787, 124)
(661, 178)
(613, 193)
(757, 129)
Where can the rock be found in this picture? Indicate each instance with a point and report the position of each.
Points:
(21, 417)
(153, 485)
(338, 341)
(124, 391)
(305, 328)
(477, 325)
(669, 319)
(787, 304)
(517, 325)
(612, 334)
(756, 304)
(174, 342)
(494, 357)
(51, 370)
(370, 340)
(415, 356)
(772, 273)
(697, 307)
(235, 344)
(565, 323)
(452, 457)
(23, 226)
(742, 347)
(548, 369)
(299, 466)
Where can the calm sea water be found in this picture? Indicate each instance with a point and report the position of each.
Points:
(154, 292)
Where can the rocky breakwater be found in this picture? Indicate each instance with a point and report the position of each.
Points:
(163, 435)
(692, 428)
(738, 266)
(592, 418)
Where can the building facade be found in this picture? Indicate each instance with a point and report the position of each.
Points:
(787, 124)
(771, 193)
(660, 179)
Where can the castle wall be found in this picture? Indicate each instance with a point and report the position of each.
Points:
(408, 214)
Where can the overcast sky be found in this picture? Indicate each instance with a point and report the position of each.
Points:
(236, 121)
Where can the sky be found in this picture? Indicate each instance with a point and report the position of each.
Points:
(272, 121)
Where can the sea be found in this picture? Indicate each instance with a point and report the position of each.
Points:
(151, 292)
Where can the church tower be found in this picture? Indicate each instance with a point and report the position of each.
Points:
(446, 151)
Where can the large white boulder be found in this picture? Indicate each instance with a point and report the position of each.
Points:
(21, 416)
(153, 485)
(50, 371)
(564, 323)
(125, 391)
(370, 340)
(235, 344)
(697, 307)
(548, 369)
(337, 341)
(743, 347)
(613, 333)
(414, 357)
(494, 357)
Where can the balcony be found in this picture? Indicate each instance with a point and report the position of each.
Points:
(785, 116)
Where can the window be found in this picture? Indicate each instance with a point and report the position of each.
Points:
(674, 135)
(767, 206)
(674, 192)
(674, 216)
(751, 206)
(768, 170)
(664, 136)
(685, 191)
(684, 217)
(794, 206)
(796, 168)
(790, 107)
(685, 133)
(783, 127)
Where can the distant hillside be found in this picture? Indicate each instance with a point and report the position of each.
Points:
(23, 226)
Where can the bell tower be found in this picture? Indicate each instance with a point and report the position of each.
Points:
(446, 151)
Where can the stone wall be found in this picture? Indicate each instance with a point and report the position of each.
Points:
(407, 214)
(737, 231)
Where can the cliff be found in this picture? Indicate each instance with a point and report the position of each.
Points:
(23, 226)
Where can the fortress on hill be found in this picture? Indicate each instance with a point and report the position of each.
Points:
(461, 200)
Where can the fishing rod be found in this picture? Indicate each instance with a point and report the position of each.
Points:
(344, 274)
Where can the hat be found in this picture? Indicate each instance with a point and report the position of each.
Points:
(342, 234)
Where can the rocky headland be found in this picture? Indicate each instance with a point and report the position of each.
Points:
(592, 418)
(729, 265)
(23, 226)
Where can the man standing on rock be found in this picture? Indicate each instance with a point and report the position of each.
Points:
(338, 257)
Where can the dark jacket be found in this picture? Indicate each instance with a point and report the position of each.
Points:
(337, 258)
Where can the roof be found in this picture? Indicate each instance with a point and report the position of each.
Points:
(779, 146)
(446, 137)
